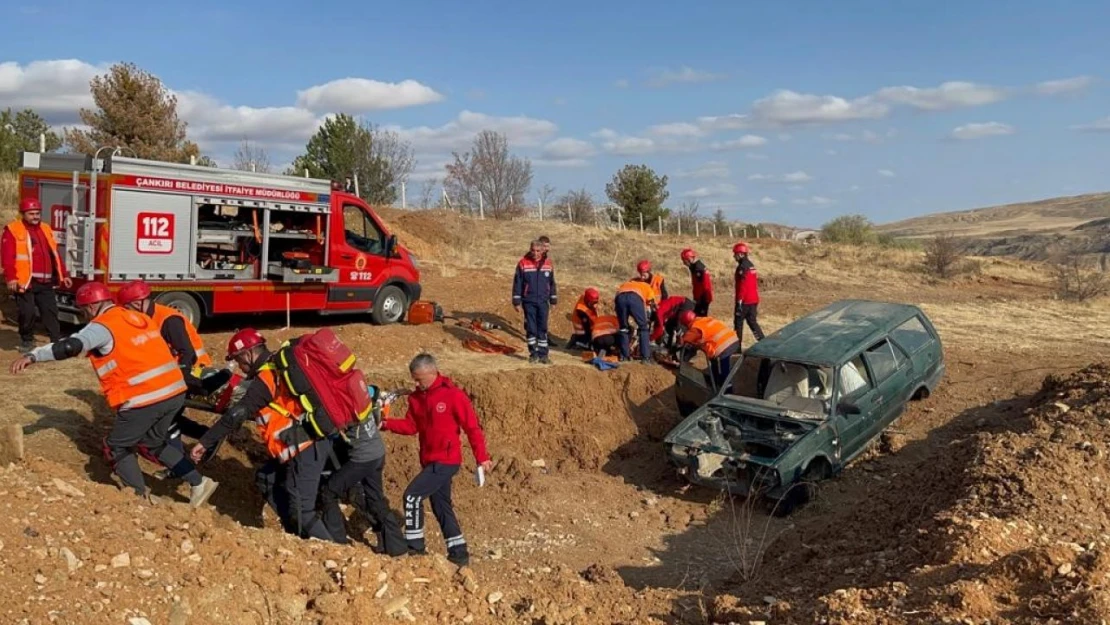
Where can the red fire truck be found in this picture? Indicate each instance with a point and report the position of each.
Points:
(216, 241)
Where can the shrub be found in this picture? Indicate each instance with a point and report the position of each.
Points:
(943, 255)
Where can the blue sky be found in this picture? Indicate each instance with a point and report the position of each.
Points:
(777, 111)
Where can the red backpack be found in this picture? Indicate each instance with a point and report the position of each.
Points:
(319, 371)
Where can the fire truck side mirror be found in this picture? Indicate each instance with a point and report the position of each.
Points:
(390, 245)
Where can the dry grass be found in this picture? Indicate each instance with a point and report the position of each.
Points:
(9, 194)
(1045, 216)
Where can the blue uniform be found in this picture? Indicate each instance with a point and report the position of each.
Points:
(534, 290)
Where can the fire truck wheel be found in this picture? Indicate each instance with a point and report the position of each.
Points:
(389, 306)
(184, 304)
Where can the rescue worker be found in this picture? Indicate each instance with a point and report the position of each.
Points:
(534, 289)
(700, 281)
(635, 298)
(290, 480)
(655, 281)
(139, 379)
(188, 348)
(362, 469)
(714, 338)
(437, 410)
(747, 293)
(592, 331)
(664, 329)
(32, 269)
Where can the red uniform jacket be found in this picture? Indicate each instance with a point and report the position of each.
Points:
(702, 283)
(747, 283)
(436, 416)
(668, 311)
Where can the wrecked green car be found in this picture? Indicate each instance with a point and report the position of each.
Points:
(802, 403)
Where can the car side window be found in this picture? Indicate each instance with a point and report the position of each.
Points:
(882, 359)
(361, 232)
(911, 335)
(853, 378)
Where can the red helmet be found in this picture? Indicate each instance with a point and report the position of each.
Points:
(91, 293)
(644, 266)
(592, 295)
(688, 254)
(687, 317)
(29, 204)
(243, 340)
(741, 248)
(132, 292)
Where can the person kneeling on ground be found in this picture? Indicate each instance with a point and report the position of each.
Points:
(290, 481)
(363, 469)
(716, 340)
(437, 410)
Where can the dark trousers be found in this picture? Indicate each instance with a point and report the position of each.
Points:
(147, 427)
(290, 488)
(367, 478)
(433, 482)
(535, 327)
(630, 304)
(720, 366)
(701, 308)
(38, 301)
(605, 344)
(747, 313)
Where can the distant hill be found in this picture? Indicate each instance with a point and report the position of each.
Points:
(1040, 230)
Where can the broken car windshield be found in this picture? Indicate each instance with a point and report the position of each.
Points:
(793, 386)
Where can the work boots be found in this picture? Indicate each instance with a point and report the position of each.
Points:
(200, 493)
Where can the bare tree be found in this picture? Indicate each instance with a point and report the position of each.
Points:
(427, 192)
(489, 175)
(251, 157)
(396, 154)
(942, 254)
(1079, 281)
(576, 207)
(546, 192)
(688, 213)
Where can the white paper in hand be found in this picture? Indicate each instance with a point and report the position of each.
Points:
(480, 476)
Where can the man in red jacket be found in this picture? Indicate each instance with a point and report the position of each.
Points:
(700, 281)
(747, 293)
(437, 411)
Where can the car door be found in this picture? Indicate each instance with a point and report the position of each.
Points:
(891, 371)
(359, 257)
(692, 388)
(854, 388)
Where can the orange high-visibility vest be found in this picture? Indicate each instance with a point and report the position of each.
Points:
(643, 289)
(23, 252)
(656, 284)
(162, 313)
(576, 320)
(605, 325)
(278, 417)
(715, 337)
(140, 370)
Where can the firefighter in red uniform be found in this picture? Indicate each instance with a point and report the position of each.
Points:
(591, 330)
(665, 327)
(290, 480)
(32, 268)
(534, 289)
(654, 280)
(192, 357)
(700, 281)
(747, 293)
(437, 410)
(714, 338)
(140, 380)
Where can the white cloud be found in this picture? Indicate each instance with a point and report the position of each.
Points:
(56, 89)
(867, 136)
(886, 173)
(816, 200)
(980, 130)
(768, 201)
(735, 121)
(1064, 85)
(1099, 125)
(785, 107)
(792, 177)
(663, 77)
(747, 141)
(948, 95)
(360, 95)
(428, 170)
(566, 152)
(709, 169)
(213, 121)
(716, 190)
(678, 129)
(756, 156)
(759, 177)
(521, 131)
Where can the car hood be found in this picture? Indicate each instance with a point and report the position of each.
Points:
(748, 430)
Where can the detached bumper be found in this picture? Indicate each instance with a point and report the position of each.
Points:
(721, 472)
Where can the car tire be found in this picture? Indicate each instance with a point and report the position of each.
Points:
(804, 489)
(390, 306)
(183, 303)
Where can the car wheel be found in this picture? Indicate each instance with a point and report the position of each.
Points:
(804, 490)
(389, 306)
(182, 303)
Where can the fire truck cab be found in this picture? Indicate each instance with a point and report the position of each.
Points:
(215, 241)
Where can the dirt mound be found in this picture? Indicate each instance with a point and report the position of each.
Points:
(427, 233)
(1007, 523)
